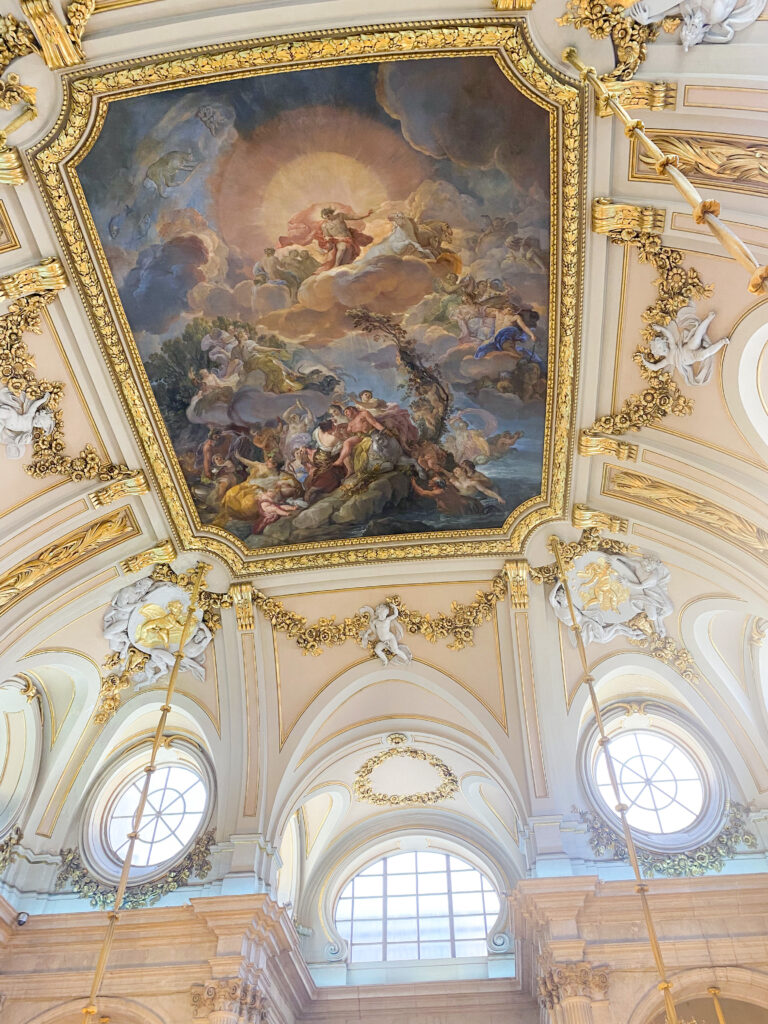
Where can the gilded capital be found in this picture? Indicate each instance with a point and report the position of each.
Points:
(637, 93)
(517, 582)
(162, 552)
(585, 518)
(608, 217)
(592, 444)
(46, 276)
(242, 597)
(124, 488)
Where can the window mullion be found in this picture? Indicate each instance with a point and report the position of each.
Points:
(449, 886)
(384, 911)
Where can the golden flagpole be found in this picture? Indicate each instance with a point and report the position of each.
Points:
(114, 915)
(641, 888)
(705, 211)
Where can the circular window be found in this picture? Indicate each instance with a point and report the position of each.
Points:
(175, 806)
(673, 788)
(659, 782)
(177, 810)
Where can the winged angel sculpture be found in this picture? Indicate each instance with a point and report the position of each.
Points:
(684, 344)
(384, 628)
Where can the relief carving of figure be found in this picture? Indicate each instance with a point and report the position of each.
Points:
(19, 417)
(704, 21)
(685, 345)
(149, 615)
(617, 588)
(384, 628)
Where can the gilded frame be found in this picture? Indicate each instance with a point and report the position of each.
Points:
(87, 96)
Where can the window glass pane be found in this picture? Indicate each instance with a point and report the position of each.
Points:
(434, 928)
(470, 927)
(366, 954)
(401, 885)
(372, 885)
(434, 950)
(407, 926)
(468, 903)
(403, 951)
(402, 929)
(467, 881)
(369, 908)
(344, 909)
(491, 903)
(433, 883)
(401, 906)
(367, 931)
(401, 862)
(430, 862)
(472, 948)
(433, 906)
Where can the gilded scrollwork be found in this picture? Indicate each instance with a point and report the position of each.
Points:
(638, 93)
(507, 40)
(17, 374)
(447, 787)
(58, 44)
(585, 518)
(160, 553)
(716, 160)
(677, 286)
(709, 858)
(458, 625)
(125, 487)
(74, 875)
(65, 553)
(664, 648)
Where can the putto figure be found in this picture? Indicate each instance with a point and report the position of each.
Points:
(683, 345)
(387, 631)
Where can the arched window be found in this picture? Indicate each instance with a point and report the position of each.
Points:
(417, 906)
(669, 781)
(178, 807)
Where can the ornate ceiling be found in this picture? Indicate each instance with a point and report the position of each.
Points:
(150, 341)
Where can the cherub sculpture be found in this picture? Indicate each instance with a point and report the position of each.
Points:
(20, 416)
(683, 344)
(161, 627)
(703, 21)
(387, 631)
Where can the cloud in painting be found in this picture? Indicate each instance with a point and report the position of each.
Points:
(155, 291)
(473, 115)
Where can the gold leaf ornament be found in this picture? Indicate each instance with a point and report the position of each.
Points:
(448, 787)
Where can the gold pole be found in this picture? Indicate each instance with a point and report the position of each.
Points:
(114, 915)
(714, 991)
(641, 888)
(705, 211)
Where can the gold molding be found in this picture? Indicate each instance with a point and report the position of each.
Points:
(13, 93)
(448, 787)
(65, 553)
(125, 487)
(608, 216)
(160, 553)
(46, 276)
(513, 5)
(638, 93)
(585, 518)
(506, 41)
(7, 228)
(733, 162)
(661, 496)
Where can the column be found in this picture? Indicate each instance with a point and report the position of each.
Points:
(567, 991)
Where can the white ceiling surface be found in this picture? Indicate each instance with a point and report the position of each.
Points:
(490, 759)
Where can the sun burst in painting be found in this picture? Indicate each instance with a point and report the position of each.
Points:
(338, 282)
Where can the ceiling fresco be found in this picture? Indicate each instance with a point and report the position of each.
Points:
(338, 282)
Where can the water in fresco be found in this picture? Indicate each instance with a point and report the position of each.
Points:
(338, 284)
